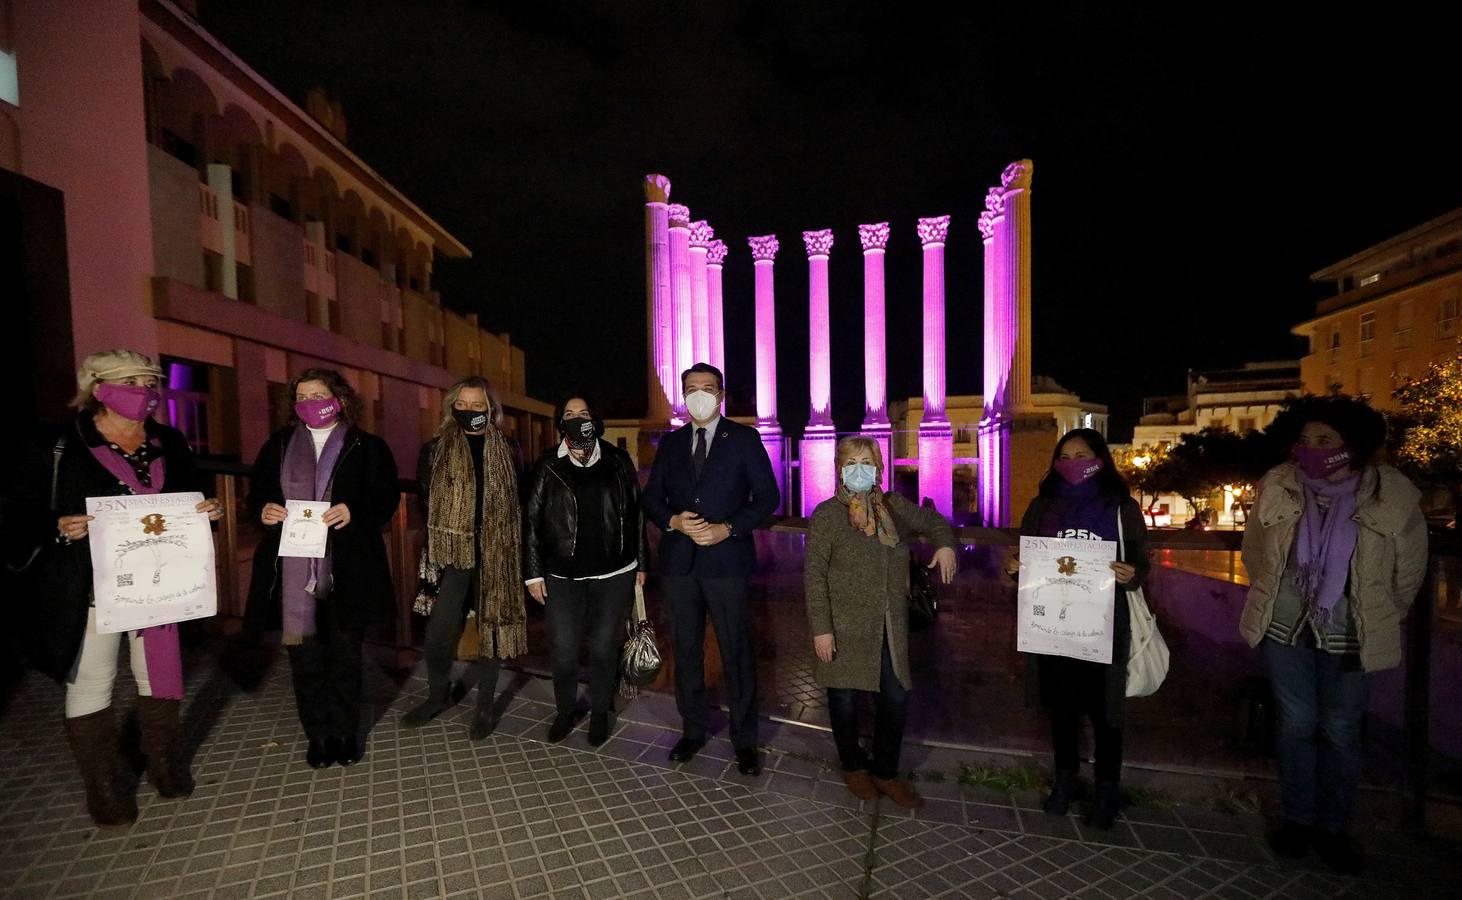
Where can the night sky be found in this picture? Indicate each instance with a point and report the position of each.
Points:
(1191, 168)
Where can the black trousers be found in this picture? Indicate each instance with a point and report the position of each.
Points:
(890, 712)
(727, 601)
(1065, 731)
(595, 609)
(327, 681)
(444, 630)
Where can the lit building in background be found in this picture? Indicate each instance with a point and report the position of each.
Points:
(1394, 312)
(1241, 400)
(211, 222)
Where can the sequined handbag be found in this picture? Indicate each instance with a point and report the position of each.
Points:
(639, 662)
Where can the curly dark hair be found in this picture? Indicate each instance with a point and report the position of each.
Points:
(350, 402)
(1361, 426)
(559, 408)
(1111, 481)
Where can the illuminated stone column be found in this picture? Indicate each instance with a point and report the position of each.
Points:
(659, 353)
(763, 254)
(701, 235)
(680, 299)
(1011, 428)
(936, 439)
(815, 456)
(874, 238)
(715, 257)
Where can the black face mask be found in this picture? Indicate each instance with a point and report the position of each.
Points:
(581, 434)
(470, 419)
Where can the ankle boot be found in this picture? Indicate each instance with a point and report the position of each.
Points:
(93, 740)
(162, 745)
(902, 793)
(484, 722)
(438, 697)
(1064, 790)
(598, 728)
(1105, 805)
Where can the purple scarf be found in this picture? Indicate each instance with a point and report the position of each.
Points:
(159, 642)
(1080, 511)
(1325, 544)
(301, 477)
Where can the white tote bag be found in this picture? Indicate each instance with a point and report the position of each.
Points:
(1147, 659)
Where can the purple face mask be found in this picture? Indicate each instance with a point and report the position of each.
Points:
(1076, 471)
(318, 413)
(1321, 462)
(130, 401)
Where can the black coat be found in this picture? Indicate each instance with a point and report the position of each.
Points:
(63, 571)
(1039, 686)
(365, 481)
(550, 515)
(736, 487)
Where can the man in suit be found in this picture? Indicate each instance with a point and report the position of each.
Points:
(711, 485)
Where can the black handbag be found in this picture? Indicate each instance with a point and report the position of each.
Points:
(33, 553)
(923, 602)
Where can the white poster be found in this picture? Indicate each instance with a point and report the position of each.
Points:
(305, 532)
(1067, 598)
(151, 561)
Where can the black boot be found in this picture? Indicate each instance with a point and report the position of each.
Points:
(484, 721)
(563, 723)
(598, 729)
(1105, 805)
(162, 744)
(1065, 789)
(438, 698)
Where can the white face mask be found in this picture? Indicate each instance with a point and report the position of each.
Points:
(702, 405)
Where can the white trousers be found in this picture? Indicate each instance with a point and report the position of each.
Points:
(96, 671)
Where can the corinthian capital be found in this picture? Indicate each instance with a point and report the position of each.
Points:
(764, 247)
(819, 243)
(701, 234)
(995, 201)
(987, 225)
(716, 252)
(679, 215)
(933, 230)
(874, 236)
(657, 189)
(1017, 175)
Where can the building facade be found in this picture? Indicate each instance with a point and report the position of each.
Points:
(215, 224)
(1241, 400)
(1394, 311)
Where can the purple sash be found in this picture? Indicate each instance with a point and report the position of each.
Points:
(302, 477)
(159, 642)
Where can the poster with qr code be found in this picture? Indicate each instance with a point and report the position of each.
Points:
(1067, 598)
(152, 561)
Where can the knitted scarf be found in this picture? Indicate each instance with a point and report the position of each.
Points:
(305, 581)
(1325, 544)
(869, 514)
(452, 504)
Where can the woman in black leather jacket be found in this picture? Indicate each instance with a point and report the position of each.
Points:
(583, 553)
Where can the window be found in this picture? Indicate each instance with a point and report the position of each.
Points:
(281, 207)
(1335, 340)
(1370, 279)
(1447, 316)
(342, 243)
(1367, 327)
(1366, 383)
(174, 145)
(1405, 313)
(1247, 425)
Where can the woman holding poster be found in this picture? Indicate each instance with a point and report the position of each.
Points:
(1083, 497)
(113, 448)
(323, 593)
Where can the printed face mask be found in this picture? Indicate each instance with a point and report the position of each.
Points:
(581, 434)
(471, 420)
(318, 413)
(1076, 471)
(130, 401)
(702, 405)
(859, 477)
(1321, 462)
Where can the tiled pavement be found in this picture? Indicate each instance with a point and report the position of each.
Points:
(428, 814)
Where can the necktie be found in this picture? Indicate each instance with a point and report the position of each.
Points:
(699, 455)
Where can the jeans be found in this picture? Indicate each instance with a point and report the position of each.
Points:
(595, 608)
(890, 711)
(1322, 699)
(444, 630)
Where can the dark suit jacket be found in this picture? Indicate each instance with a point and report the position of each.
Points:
(736, 487)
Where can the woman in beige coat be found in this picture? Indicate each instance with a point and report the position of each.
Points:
(1335, 549)
(857, 587)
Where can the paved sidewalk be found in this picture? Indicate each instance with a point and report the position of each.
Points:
(429, 814)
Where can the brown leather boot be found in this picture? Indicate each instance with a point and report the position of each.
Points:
(93, 740)
(162, 745)
(860, 785)
(900, 792)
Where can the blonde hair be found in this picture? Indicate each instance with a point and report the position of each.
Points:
(109, 365)
(448, 424)
(857, 443)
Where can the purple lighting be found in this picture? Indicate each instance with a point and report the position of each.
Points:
(715, 256)
(701, 235)
(936, 440)
(874, 238)
(680, 296)
(663, 395)
(819, 245)
(763, 255)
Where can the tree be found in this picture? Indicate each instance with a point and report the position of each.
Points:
(1140, 466)
(1430, 450)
